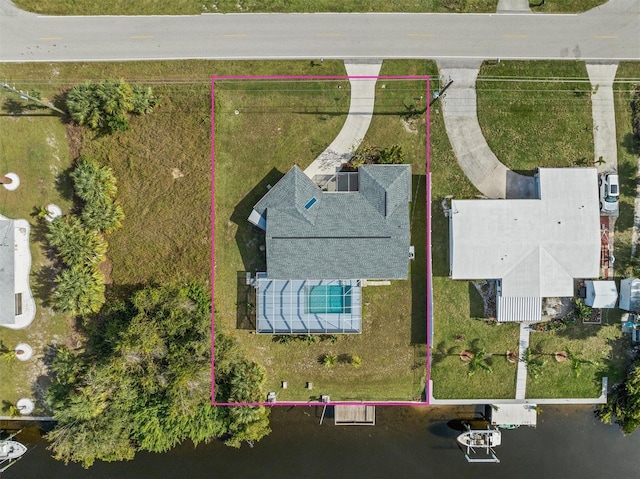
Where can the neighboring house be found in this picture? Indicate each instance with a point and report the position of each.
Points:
(17, 308)
(534, 248)
(630, 294)
(320, 245)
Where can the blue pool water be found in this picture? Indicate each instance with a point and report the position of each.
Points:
(329, 299)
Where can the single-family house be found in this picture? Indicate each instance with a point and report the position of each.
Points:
(321, 245)
(533, 248)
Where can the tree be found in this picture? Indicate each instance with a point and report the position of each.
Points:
(79, 291)
(623, 403)
(534, 365)
(102, 215)
(147, 387)
(92, 181)
(76, 245)
(478, 362)
(105, 106)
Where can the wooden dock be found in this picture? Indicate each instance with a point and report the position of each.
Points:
(354, 415)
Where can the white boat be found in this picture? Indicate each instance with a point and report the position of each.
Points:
(482, 438)
(10, 450)
(486, 439)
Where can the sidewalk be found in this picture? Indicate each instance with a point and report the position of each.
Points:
(356, 125)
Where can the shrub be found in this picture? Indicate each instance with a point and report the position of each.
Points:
(102, 215)
(92, 181)
(105, 106)
(356, 361)
(79, 291)
(635, 113)
(329, 360)
(76, 245)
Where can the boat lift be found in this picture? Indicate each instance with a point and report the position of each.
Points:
(10, 452)
(474, 440)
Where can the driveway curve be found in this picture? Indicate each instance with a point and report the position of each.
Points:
(479, 163)
(362, 79)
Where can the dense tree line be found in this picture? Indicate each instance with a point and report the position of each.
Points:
(144, 382)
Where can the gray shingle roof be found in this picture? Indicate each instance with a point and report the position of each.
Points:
(363, 235)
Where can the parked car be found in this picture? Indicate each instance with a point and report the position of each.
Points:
(609, 193)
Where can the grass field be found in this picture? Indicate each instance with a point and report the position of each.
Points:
(34, 146)
(529, 110)
(195, 7)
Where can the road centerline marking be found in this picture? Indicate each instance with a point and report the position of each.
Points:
(235, 35)
(426, 35)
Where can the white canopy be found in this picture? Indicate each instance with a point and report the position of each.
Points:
(630, 294)
(601, 294)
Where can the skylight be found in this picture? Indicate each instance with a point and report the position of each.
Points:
(310, 203)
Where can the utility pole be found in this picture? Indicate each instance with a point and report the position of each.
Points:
(440, 93)
(26, 96)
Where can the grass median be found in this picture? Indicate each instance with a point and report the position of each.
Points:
(196, 7)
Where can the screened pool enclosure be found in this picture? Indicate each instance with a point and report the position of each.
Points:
(308, 306)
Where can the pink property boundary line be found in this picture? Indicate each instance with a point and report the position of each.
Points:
(428, 298)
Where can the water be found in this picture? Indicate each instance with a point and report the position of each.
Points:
(406, 443)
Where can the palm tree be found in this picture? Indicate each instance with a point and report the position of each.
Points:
(92, 181)
(79, 291)
(534, 365)
(478, 362)
(76, 245)
(102, 215)
(576, 362)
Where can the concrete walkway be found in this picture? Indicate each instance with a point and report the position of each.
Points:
(521, 377)
(601, 77)
(476, 159)
(363, 91)
(513, 6)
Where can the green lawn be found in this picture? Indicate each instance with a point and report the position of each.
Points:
(195, 7)
(600, 348)
(34, 146)
(533, 115)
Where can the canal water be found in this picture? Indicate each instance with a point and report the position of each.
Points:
(568, 443)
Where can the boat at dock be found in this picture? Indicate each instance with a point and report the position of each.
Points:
(483, 439)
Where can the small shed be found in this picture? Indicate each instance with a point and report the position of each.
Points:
(630, 294)
(601, 294)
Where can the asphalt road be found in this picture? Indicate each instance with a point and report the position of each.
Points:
(610, 32)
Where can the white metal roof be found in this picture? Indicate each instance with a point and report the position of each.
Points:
(536, 247)
(601, 294)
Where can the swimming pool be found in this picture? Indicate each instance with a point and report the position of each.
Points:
(324, 299)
